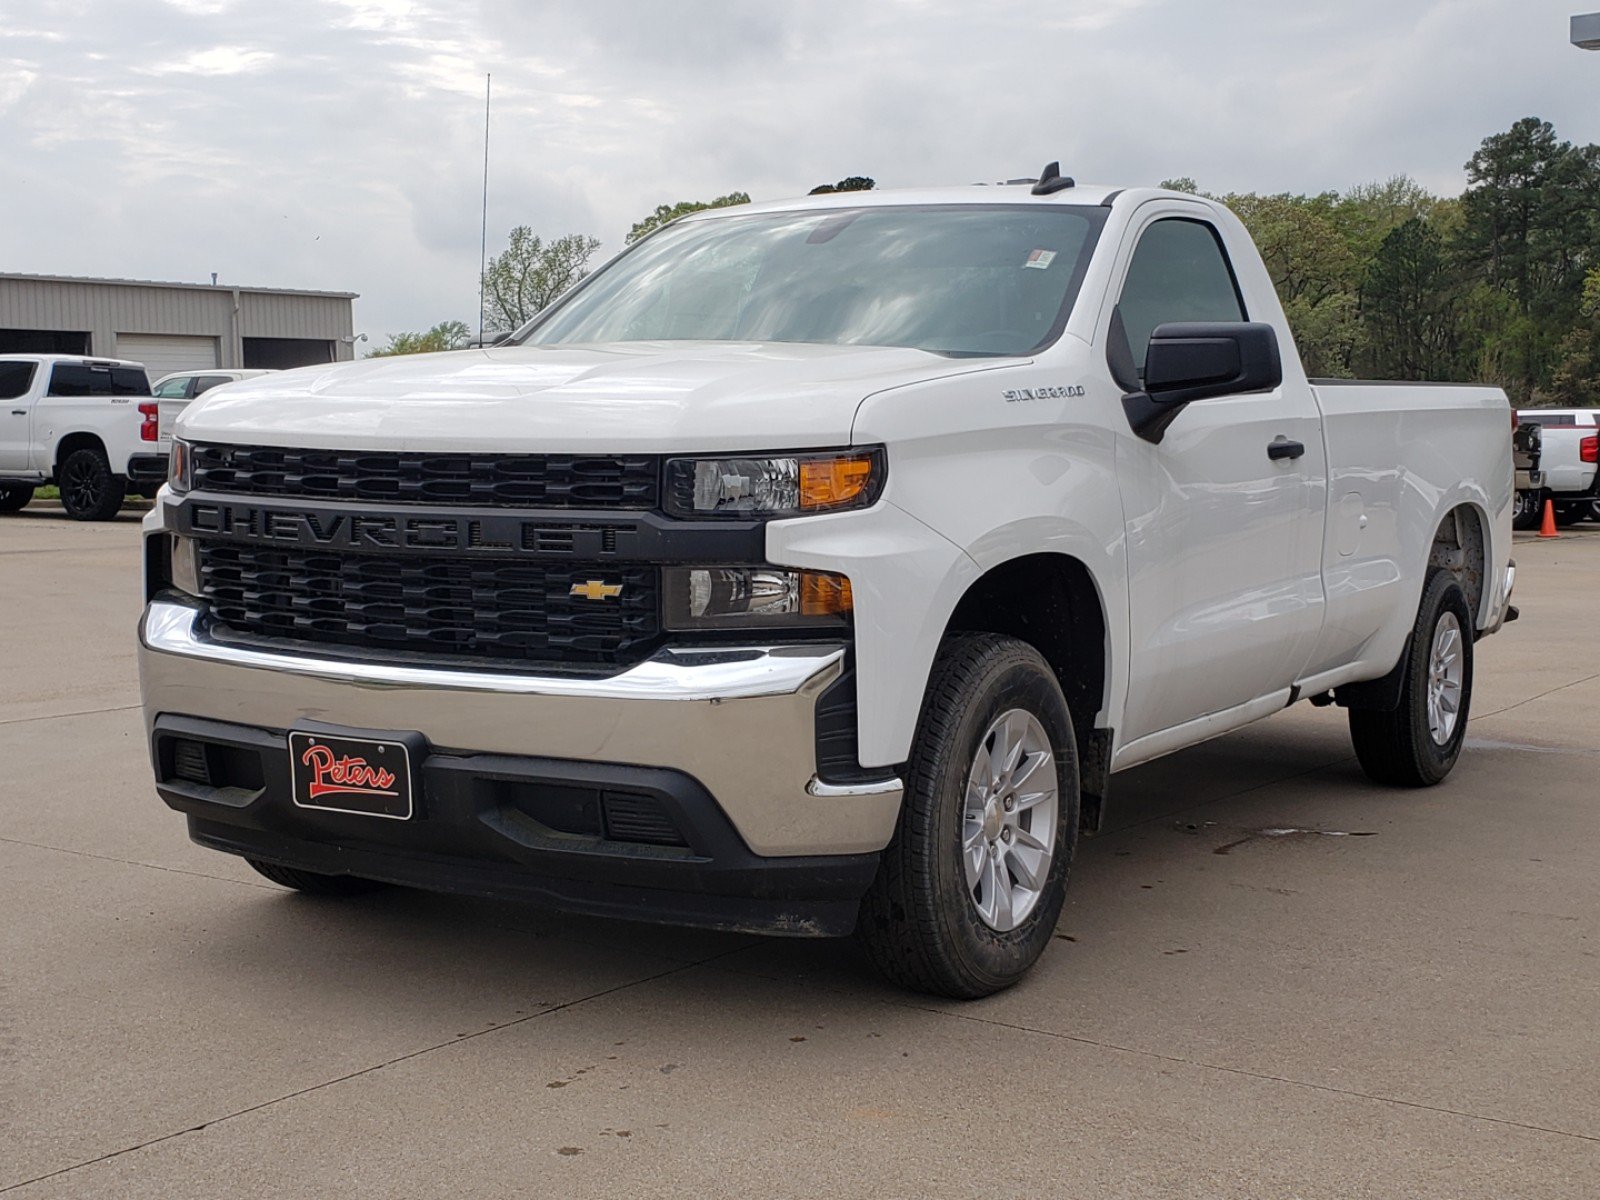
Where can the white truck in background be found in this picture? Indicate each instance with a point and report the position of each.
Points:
(174, 392)
(1569, 460)
(87, 425)
(811, 567)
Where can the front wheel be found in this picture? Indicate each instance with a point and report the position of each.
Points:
(89, 491)
(971, 886)
(15, 498)
(1570, 512)
(1417, 743)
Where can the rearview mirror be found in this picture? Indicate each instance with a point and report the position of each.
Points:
(1199, 361)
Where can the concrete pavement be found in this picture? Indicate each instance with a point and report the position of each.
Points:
(1399, 1001)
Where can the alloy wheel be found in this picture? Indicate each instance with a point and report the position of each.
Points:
(1009, 818)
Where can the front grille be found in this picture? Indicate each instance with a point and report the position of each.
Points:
(499, 610)
(561, 481)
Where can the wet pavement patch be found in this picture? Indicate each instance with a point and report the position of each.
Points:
(1279, 833)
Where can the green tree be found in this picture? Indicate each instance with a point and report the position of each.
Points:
(446, 335)
(1410, 306)
(1529, 231)
(528, 275)
(665, 214)
(850, 183)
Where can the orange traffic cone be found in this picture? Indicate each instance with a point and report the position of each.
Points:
(1547, 527)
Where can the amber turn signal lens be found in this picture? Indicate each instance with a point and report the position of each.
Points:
(824, 595)
(833, 482)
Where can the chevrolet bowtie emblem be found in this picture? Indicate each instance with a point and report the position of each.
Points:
(595, 589)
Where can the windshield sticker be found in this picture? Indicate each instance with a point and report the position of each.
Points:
(1041, 259)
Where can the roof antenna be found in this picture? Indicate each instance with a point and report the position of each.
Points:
(1052, 180)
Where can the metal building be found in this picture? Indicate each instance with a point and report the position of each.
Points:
(174, 326)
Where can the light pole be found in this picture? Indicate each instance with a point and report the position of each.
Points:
(1586, 31)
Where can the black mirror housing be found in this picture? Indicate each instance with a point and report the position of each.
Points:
(1199, 361)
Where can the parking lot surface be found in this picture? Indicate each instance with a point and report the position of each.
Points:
(1272, 978)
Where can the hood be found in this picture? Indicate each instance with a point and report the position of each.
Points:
(639, 397)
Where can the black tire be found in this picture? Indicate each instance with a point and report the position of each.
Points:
(1398, 748)
(1594, 510)
(919, 921)
(89, 491)
(1527, 510)
(15, 497)
(1570, 512)
(312, 883)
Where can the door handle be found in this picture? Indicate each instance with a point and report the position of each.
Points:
(1284, 448)
(19, 412)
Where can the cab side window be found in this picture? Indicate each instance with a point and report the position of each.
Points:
(1179, 272)
(15, 379)
(174, 389)
(206, 382)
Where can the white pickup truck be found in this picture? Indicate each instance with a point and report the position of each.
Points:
(811, 568)
(1569, 460)
(87, 425)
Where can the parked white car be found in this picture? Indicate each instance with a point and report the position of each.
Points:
(1569, 459)
(809, 568)
(87, 425)
(174, 393)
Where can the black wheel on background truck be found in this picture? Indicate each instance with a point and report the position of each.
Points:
(1570, 512)
(971, 886)
(15, 497)
(1417, 743)
(1527, 509)
(313, 883)
(89, 491)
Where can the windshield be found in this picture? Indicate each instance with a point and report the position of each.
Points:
(957, 280)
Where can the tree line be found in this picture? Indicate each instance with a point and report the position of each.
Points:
(1384, 281)
(1499, 284)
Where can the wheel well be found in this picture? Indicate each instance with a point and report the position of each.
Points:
(1458, 548)
(1050, 601)
(69, 445)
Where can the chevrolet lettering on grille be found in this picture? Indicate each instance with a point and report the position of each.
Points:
(331, 529)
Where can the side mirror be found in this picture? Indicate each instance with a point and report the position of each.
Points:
(1188, 362)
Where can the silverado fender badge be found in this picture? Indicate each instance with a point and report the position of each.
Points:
(596, 589)
(1012, 395)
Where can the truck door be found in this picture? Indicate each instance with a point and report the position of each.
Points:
(1224, 542)
(16, 414)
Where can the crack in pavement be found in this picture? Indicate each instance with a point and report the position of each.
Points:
(1198, 1064)
(134, 862)
(406, 1057)
(1268, 1077)
(1551, 692)
(87, 712)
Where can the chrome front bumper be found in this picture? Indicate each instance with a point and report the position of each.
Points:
(739, 720)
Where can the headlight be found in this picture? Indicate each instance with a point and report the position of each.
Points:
(185, 560)
(774, 487)
(755, 598)
(180, 467)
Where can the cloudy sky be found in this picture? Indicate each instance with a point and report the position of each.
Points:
(338, 143)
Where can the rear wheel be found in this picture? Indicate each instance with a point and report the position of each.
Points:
(15, 497)
(1526, 510)
(1570, 512)
(313, 883)
(1417, 743)
(89, 491)
(974, 879)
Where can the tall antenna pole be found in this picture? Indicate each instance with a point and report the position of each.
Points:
(483, 237)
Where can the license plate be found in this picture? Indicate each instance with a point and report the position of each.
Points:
(370, 777)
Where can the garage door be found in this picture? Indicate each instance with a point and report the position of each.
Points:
(163, 353)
